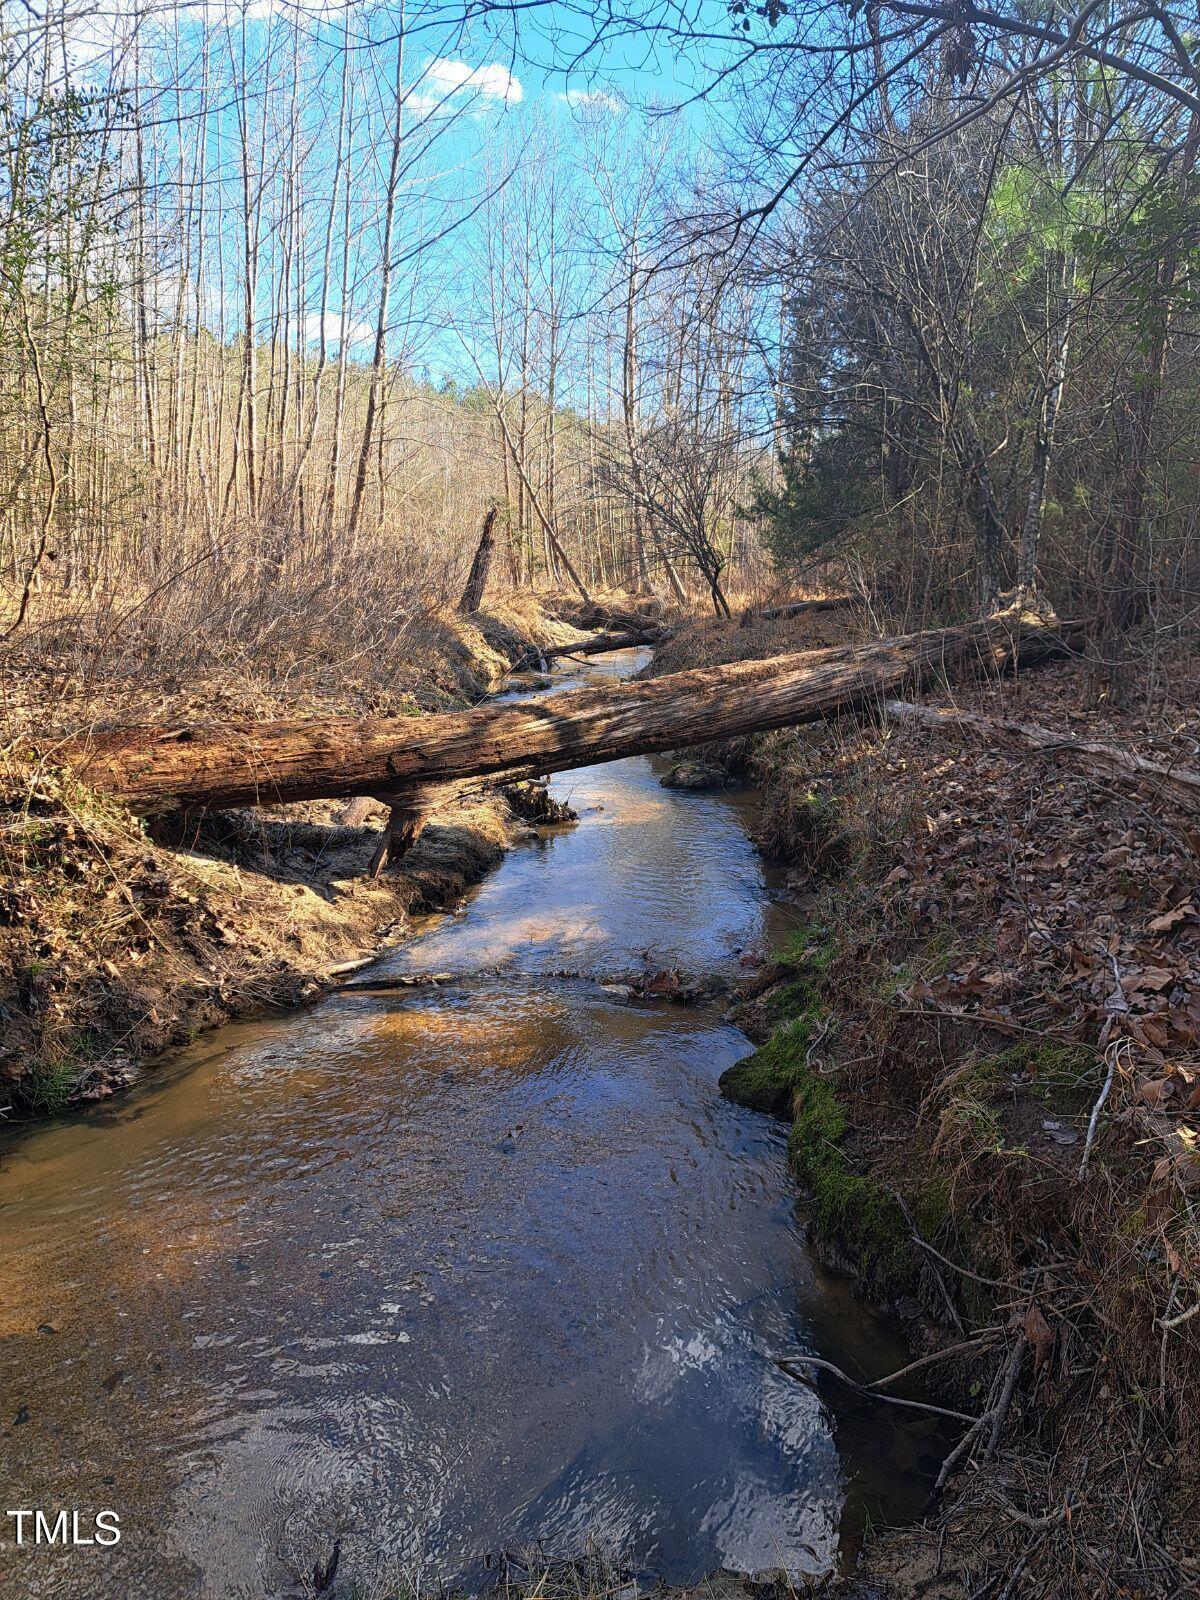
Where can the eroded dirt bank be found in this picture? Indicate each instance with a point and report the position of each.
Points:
(118, 941)
(994, 943)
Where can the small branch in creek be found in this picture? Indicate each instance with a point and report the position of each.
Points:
(789, 1363)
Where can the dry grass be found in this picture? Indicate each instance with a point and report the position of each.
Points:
(281, 651)
(709, 642)
(115, 943)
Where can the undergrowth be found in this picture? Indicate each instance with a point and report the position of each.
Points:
(944, 1023)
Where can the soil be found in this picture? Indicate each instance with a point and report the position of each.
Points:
(118, 941)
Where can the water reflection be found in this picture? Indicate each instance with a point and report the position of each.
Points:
(441, 1270)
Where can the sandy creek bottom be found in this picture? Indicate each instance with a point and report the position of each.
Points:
(441, 1271)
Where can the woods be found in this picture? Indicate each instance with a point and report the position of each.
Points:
(370, 372)
(947, 350)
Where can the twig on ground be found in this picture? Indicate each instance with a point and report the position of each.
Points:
(1015, 1357)
(986, 1337)
(1015, 1575)
(1035, 1524)
(1001, 1024)
(1182, 1317)
(994, 1416)
(941, 1282)
(963, 1446)
(989, 1283)
(1113, 1053)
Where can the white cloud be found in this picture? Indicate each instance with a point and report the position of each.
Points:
(422, 105)
(592, 99)
(338, 325)
(493, 82)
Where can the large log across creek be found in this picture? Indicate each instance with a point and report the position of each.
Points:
(602, 643)
(397, 759)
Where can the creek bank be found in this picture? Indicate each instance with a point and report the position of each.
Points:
(990, 947)
(119, 941)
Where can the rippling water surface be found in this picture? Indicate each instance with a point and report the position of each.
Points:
(440, 1271)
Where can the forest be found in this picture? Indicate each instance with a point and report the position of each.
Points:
(282, 292)
(590, 592)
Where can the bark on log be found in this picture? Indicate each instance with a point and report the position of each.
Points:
(472, 595)
(796, 608)
(1106, 760)
(158, 769)
(603, 642)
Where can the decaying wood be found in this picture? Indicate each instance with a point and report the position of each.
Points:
(1106, 760)
(158, 769)
(472, 595)
(604, 642)
(401, 831)
(357, 811)
(796, 608)
(407, 816)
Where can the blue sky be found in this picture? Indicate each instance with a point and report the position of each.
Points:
(481, 88)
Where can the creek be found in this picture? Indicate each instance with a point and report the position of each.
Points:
(438, 1271)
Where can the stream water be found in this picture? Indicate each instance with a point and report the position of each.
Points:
(438, 1271)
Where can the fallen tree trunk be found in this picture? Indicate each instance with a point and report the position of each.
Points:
(795, 608)
(158, 769)
(603, 642)
(1106, 760)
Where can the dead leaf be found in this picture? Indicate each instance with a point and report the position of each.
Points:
(1172, 919)
(1040, 1336)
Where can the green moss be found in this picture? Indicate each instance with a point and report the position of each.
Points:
(930, 1205)
(847, 1209)
(788, 1001)
(1054, 1068)
(810, 950)
(765, 1080)
(811, 946)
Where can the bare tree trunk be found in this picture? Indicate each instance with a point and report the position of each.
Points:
(629, 371)
(548, 529)
(1128, 558)
(1058, 329)
(375, 395)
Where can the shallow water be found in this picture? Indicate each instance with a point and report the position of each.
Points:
(440, 1271)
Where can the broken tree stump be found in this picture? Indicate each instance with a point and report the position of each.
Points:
(401, 831)
(407, 816)
(472, 595)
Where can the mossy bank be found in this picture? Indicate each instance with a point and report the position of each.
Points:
(987, 1084)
